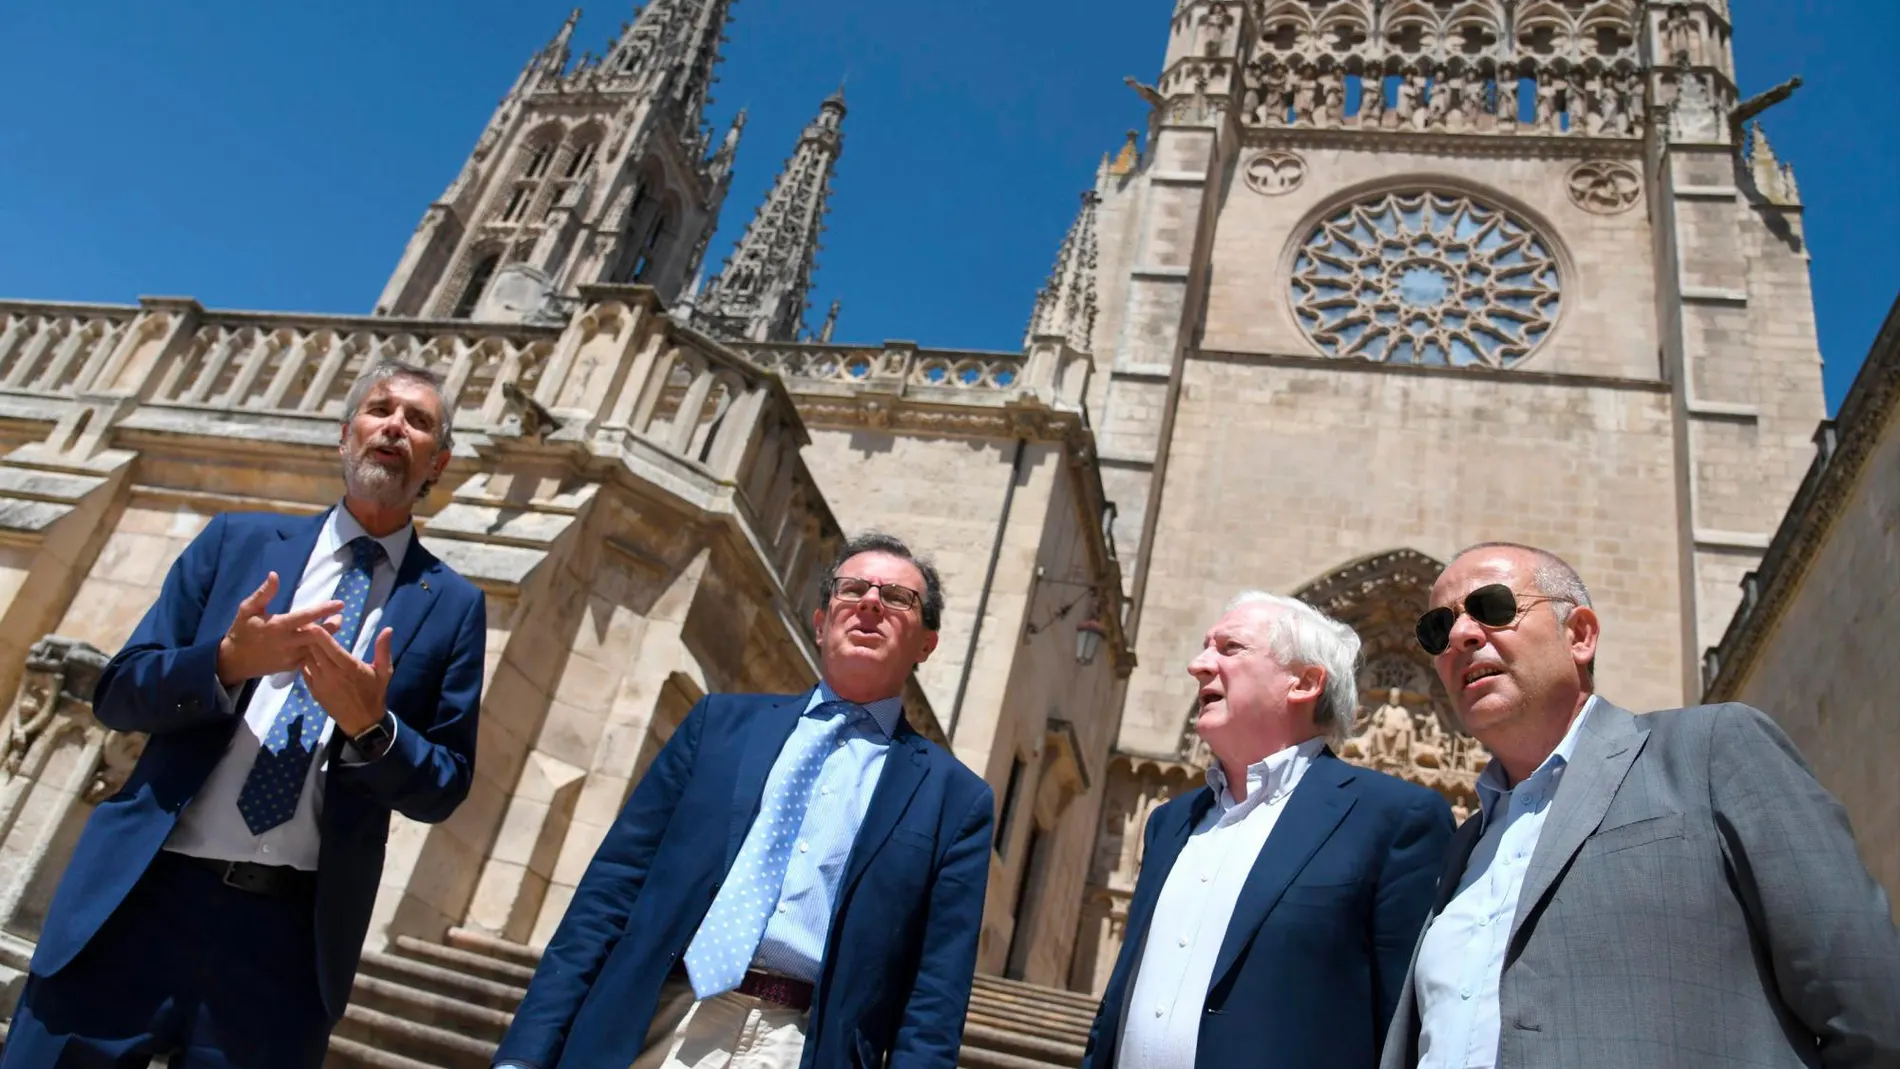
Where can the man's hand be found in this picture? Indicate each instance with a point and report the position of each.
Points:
(259, 644)
(349, 690)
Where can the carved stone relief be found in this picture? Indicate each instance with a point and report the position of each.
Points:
(1604, 187)
(1275, 173)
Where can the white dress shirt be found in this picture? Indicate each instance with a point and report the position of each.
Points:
(1162, 1024)
(1461, 961)
(210, 825)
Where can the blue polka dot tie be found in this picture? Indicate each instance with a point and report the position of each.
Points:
(271, 791)
(722, 949)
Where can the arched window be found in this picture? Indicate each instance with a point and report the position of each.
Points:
(477, 282)
(648, 259)
(538, 163)
(582, 159)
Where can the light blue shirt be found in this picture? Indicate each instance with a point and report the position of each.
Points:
(794, 942)
(1461, 961)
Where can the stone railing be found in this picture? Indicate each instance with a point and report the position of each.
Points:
(1050, 373)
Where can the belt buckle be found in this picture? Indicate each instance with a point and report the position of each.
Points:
(229, 878)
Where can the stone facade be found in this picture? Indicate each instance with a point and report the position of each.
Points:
(1376, 282)
(1811, 642)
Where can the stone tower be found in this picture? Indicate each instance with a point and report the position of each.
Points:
(596, 170)
(1385, 278)
(763, 290)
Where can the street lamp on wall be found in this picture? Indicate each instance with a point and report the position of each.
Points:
(1088, 633)
(1088, 640)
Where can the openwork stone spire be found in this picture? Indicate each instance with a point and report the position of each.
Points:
(762, 291)
(1065, 306)
(672, 47)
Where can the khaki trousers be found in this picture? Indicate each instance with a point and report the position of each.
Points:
(729, 1031)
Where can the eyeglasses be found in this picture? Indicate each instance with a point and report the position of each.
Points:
(850, 589)
(1495, 606)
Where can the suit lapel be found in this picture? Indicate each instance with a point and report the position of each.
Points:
(1607, 745)
(288, 556)
(905, 768)
(755, 763)
(411, 599)
(1318, 804)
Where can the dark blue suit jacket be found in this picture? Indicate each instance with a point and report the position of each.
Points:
(165, 682)
(1320, 940)
(895, 980)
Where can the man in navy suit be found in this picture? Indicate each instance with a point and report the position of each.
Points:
(1273, 923)
(300, 678)
(796, 881)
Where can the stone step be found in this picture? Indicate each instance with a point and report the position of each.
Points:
(500, 949)
(350, 1054)
(423, 1007)
(438, 1048)
(1022, 1045)
(1036, 994)
(1031, 1028)
(1054, 1015)
(468, 961)
(976, 1058)
(445, 981)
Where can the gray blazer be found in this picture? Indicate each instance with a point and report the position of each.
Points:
(1695, 899)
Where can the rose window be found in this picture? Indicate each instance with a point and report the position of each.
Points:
(1426, 278)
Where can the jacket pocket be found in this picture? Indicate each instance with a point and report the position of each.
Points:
(1637, 833)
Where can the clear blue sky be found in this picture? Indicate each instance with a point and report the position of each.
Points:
(273, 155)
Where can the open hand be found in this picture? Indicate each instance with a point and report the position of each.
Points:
(259, 644)
(349, 690)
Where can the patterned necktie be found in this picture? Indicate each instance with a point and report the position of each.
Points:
(271, 791)
(722, 949)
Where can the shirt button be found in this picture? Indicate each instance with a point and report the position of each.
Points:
(781, 907)
(1464, 992)
(803, 846)
(1484, 922)
(266, 848)
(1182, 940)
(1206, 876)
(824, 790)
(1161, 1011)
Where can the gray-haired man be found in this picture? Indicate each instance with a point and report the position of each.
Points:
(1277, 905)
(301, 678)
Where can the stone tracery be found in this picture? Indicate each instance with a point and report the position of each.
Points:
(1426, 278)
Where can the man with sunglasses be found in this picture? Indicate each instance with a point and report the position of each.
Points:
(796, 881)
(1672, 889)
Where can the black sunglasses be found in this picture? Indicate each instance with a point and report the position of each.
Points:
(1494, 606)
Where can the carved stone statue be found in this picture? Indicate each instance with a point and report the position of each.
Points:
(1438, 111)
(1305, 96)
(1277, 86)
(1507, 99)
(1549, 103)
(60, 675)
(1411, 92)
(1332, 98)
(1390, 737)
(1682, 38)
(1371, 98)
(1608, 117)
(1579, 103)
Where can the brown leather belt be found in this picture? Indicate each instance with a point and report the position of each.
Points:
(779, 990)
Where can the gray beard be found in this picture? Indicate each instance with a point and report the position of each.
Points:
(371, 481)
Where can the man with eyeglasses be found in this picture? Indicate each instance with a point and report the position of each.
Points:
(797, 881)
(1673, 889)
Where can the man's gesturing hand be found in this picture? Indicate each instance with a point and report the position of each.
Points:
(349, 690)
(259, 644)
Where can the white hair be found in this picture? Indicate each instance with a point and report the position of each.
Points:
(1301, 636)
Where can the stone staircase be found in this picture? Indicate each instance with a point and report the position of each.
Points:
(424, 1005)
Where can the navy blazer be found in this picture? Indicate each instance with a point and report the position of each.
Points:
(895, 980)
(1321, 937)
(165, 682)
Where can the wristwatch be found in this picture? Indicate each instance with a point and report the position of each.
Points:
(374, 740)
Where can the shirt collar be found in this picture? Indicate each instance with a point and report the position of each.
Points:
(1492, 791)
(341, 529)
(1269, 778)
(885, 712)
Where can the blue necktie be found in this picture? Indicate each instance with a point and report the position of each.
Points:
(271, 791)
(722, 949)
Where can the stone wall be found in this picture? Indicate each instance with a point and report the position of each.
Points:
(1288, 468)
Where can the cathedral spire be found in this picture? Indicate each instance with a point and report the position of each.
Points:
(762, 291)
(674, 47)
(1065, 306)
